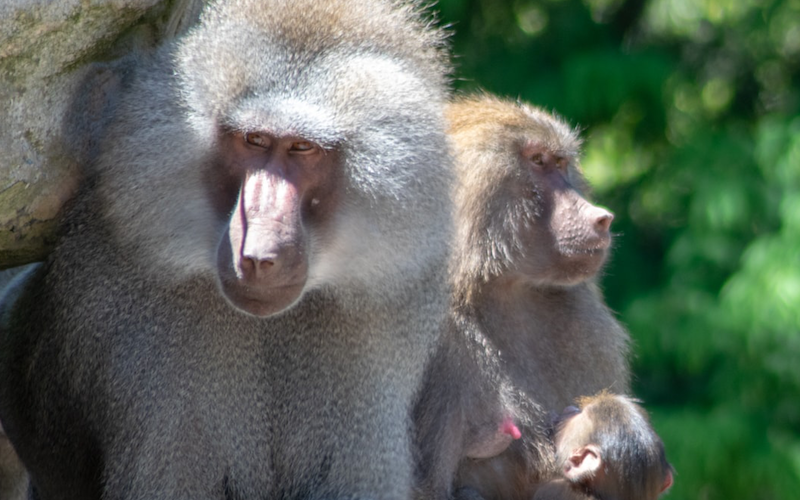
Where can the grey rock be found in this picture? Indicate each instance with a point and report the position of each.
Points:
(57, 82)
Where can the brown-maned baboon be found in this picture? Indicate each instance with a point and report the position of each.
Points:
(607, 449)
(250, 282)
(528, 246)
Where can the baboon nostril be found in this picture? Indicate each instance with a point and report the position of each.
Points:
(603, 223)
(254, 266)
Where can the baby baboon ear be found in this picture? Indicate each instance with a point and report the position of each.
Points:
(668, 480)
(584, 464)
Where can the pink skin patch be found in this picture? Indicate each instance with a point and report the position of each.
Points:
(667, 482)
(509, 427)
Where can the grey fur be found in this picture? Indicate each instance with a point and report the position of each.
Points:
(125, 372)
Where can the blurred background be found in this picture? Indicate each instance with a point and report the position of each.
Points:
(689, 109)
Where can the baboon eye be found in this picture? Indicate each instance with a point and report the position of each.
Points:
(301, 147)
(256, 139)
(538, 160)
(562, 164)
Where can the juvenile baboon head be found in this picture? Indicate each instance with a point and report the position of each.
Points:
(520, 205)
(293, 144)
(608, 448)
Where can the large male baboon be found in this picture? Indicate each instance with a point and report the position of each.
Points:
(249, 283)
(527, 248)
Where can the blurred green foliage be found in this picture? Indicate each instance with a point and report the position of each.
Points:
(690, 110)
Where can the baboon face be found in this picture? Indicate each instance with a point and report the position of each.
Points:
(566, 236)
(285, 150)
(277, 190)
(519, 198)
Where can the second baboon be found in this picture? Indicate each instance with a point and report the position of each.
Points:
(248, 286)
(528, 246)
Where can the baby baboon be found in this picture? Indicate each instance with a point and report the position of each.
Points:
(527, 248)
(607, 449)
(250, 282)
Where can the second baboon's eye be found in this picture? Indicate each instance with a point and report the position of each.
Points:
(256, 139)
(562, 164)
(302, 147)
(537, 160)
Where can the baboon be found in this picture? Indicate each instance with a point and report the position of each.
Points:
(528, 246)
(607, 449)
(251, 280)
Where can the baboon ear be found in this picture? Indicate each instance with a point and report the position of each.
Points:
(583, 464)
(668, 480)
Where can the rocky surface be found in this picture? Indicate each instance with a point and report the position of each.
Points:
(57, 80)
